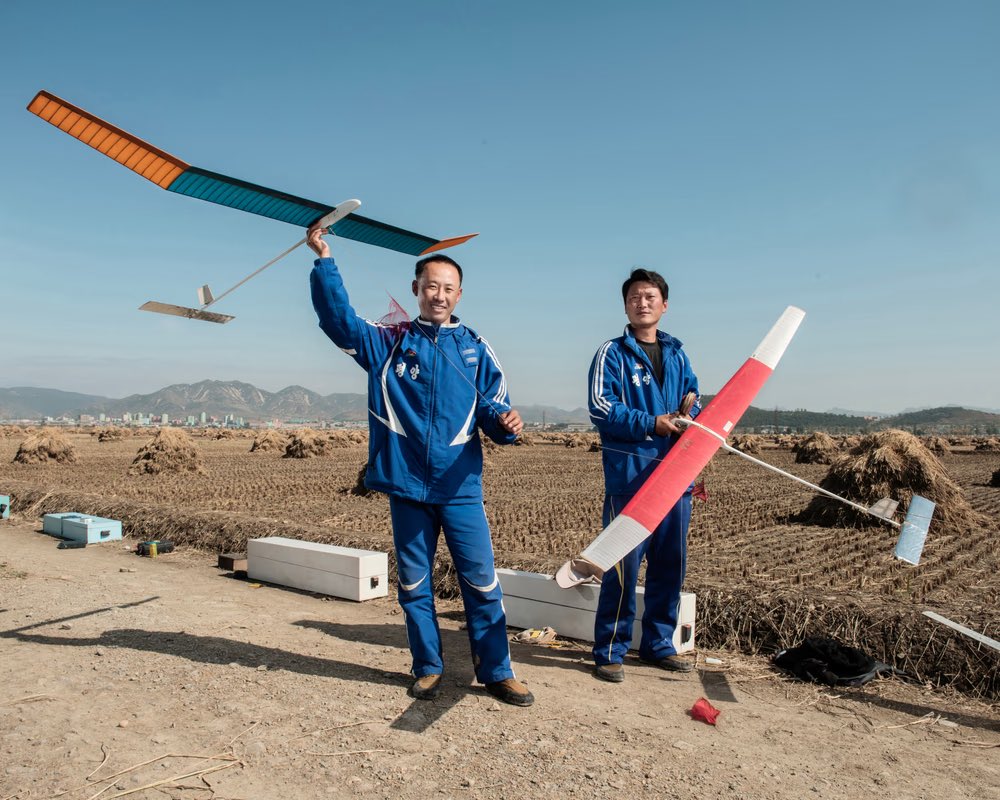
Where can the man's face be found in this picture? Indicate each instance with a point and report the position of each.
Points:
(644, 305)
(438, 290)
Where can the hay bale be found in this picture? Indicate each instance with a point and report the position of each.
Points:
(938, 445)
(489, 446)
(171, 450)
(891, 464)
(747, 443)
(524, 440)
(817, 448)
(988, 446)
(357, 437)
(268, 441)
(574, 440)
(46, 445)
(595, 447)
(307, 443)
(112, 434)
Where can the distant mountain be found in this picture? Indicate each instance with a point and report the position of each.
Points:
(22, 402)
(296, 403)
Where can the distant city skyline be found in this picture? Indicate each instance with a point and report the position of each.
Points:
(844, 158)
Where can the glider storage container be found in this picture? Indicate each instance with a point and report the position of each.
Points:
(533, 600)
(92, 530)
(52, 524)
(323, 568)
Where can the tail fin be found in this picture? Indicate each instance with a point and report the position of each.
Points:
(205, 296)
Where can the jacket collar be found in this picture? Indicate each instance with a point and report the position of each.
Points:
(454, 322)
(665, 340)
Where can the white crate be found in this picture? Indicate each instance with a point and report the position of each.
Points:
(532, 600)
(322, 568)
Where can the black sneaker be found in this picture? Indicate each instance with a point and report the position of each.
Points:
(612, 673)
(671, 663)
(426, 687)
(511, 691)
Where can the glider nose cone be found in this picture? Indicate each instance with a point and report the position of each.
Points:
(577, 571)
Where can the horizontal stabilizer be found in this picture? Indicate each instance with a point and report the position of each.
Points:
(577, 571)
(181, 311)
(884, 508)
(205, 296)
(910, 544)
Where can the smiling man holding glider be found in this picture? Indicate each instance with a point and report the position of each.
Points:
(433, 386)
(639, 383)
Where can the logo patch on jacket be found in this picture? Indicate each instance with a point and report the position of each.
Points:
(410, 353)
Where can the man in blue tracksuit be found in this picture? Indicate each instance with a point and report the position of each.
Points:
(639, 383)
(433, 385)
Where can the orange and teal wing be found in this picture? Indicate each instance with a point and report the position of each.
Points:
(171, 173)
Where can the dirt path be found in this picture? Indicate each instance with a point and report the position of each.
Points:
(110, 660)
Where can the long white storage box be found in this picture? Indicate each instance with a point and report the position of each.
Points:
(533, 600)
(92, 530)
(323, 568)
(52, 524)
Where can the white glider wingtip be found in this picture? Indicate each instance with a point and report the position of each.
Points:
(772, 346)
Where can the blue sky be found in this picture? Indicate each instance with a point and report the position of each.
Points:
(842, 157)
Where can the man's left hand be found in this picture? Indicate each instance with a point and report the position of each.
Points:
(511, 422)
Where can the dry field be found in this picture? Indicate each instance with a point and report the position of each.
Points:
(763, 580)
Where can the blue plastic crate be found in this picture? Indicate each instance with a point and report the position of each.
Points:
(92, 530)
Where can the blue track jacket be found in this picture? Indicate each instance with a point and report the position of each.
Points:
(625, 400)
(423, 411)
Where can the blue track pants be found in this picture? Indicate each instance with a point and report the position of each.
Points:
(666, 560)
(415, 530)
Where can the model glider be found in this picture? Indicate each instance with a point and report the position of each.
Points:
(171, 173)
(695, 448)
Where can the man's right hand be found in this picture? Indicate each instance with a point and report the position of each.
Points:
(665, 425)
(314, 238)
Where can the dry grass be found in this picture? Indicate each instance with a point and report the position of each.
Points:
(817, 448)
(891, 464)
(269, 441)
(170, 451)
(48, 445)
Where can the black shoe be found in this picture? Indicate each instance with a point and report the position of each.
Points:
(426, 687)
(612, 673)
(671, 663)
(511, 691)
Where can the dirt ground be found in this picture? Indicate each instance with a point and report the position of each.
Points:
(128, 676)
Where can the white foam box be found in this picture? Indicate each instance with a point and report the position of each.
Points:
(92, 530)
(322, 568)
(4, 506)
(52, 523)
(533, 600)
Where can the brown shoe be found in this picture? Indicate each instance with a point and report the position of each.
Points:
(671, 663)
(426, 687)
(511, 691)
(612, 673)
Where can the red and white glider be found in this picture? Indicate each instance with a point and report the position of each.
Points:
(692, 451)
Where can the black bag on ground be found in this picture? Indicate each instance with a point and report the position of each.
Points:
(821, 659)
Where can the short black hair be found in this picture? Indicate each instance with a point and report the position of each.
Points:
(422, 263)
(643, 275)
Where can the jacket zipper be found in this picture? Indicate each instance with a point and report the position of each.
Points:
(430, 420)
